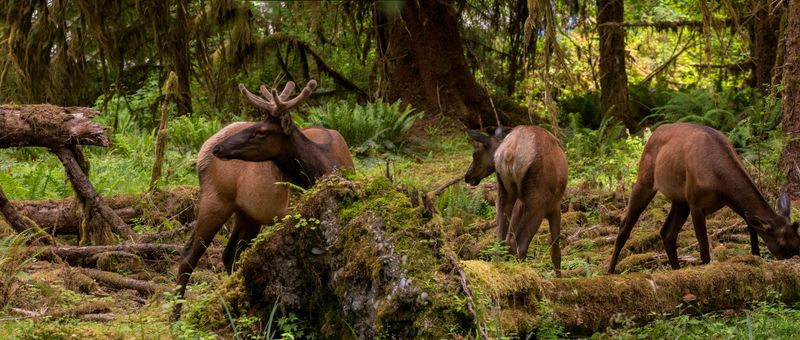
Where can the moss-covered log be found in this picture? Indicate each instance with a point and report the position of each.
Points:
(49, 126)
(358, 254)
(63, 217)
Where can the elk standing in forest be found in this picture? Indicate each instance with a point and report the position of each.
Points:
(240, 168)
(531, 179)
(698, 170)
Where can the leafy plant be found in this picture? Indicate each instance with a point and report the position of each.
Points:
(376, 125)
(458, 198)
(190, 132)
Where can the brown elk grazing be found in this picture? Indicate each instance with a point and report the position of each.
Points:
(531, 179)
(232, 182)
(698, 170)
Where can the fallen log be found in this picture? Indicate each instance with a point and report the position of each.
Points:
(120, 282)
(19, 224)
(49, 126)
(86, 253)
(63, 217)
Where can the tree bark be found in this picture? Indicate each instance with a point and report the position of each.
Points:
(49, 126)
(71, 253)
(63, 217)
(613, 77)
(790, 158)
(180, 58)
(764, 36)
(118, 281)
(18, 223)
(97, 217)
(428, 69)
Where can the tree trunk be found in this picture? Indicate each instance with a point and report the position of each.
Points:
(428, 69)
(613, 78)
(180, 59)
(764, 37)
(790, 158)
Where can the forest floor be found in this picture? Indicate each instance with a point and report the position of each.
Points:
(51, 300)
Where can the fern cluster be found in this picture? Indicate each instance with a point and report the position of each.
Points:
(376, 125)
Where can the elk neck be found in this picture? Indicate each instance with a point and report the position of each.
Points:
(303, 161)
(748, 200)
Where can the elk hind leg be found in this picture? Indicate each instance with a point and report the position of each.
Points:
(527, 223)
(554, 219)
(699, 222)
(505, 208)
(212, 215)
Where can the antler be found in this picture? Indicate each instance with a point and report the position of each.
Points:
(274, 104)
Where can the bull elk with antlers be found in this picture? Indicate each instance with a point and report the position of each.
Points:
(698, 170)
(240, 168)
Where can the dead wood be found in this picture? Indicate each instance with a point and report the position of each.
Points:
(49, 126)
(168, 234)
(87, 253)
(97, 215)
(118, 281)
(20, 224)
(63, 217)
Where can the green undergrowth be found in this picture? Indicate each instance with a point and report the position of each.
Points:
(771, 319)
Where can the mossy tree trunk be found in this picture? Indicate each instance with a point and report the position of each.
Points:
(613, 77)
(764, 36)
(790, 158)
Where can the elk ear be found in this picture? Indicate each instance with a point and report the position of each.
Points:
(287, 124)
(499, 133)
(478, 136)
(784, 205)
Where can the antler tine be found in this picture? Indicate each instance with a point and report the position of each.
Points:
(312, 84)
(287, 90)
(264, 105)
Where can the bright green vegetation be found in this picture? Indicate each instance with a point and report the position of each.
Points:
(766, 320)
(603, 166)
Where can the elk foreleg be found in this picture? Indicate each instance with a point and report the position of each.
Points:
(244, 231)
(641, 195)
(669, 232)
(753, 241)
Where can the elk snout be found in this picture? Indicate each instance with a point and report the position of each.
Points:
(471, 180)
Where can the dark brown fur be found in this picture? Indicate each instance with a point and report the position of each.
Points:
(698, 170)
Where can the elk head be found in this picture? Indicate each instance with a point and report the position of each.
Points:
(779, 233)
(265, 140)
(482, 154)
